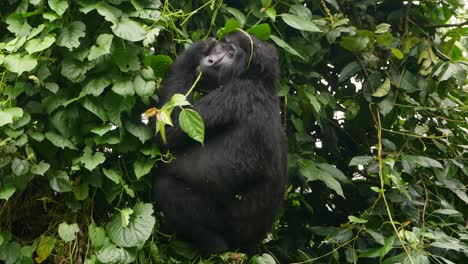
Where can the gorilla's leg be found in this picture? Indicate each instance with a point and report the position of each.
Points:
(193, 217)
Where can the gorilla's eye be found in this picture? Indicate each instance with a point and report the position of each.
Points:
(230, 53)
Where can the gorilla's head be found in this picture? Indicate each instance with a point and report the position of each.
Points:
(231, 58)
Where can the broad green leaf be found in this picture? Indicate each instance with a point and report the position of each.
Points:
(5, 118)
(59, 6)
(10, 253)
(179, 100)
(354, 43)
(102, 47)
(387, 246)
(422, 161)
(142, 87)
(263, 259)
(349, 70)
(40, 168)
(192, 124)
(96, 86)
(93, 105)
(382, 28)
(285, 46)
(383, 89)
(60, 181)
(361, 160)
(110, 13)
(125, 216)
(101, 130)
(137, 231)
(44, 248)
(271, 13)
(123, 86)
(354, 219)
(230, 26)
(70, 36)
(313, 173)
(81, 191)
(143, 167)
(113, 175)
(448, 212)
(91, 161)
(59, 140)
(6, 191)
(159, 63)
(97, 235)
(142, 132)
(261, 31)
(19, 167)
(240, 17)
(39, 44)
(114, 254)
(397, 53)
(300, 23)
(75, 70)
(68, 232)
(128, 29)
(19, 64)
(385, 39)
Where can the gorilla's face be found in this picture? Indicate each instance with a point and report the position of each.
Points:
(225, 61)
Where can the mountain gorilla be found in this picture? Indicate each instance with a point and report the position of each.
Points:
(224, 194)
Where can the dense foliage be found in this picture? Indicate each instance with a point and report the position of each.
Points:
(374, 101)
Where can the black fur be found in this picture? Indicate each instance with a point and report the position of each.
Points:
(225, 193)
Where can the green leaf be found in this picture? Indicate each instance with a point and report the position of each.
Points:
(123, 86)
(96, 86)
(81, 191)
(142, 132)
(60, 181)
(300, 23)
(92, 105)
(102, 47)
(361, 160)
(40, 168)
(422, 161)
(261, 31)
(142, 87)
(70, 36)
(382, 28)
(383, 89)
(91, 161)
(354, 43)
(6, 191)
(18, 64)
(263, 259)
(159, 63)
(68, 232)
(113, 254)
(397, 53)
(387, 246)
(143, 167)
(354, 219)
(59, 140)
(238, 15)
(385, 40)
(97, 235)
(113, 175)
(271, 13)
(59, 6)
(313, 173)
(39, 44)
(125, 216)
(285, 46)
(349, 70)
(44, 248)
(19, 167)
(101, 130)
(230, 26)
(128, 29)
(192, 124)
(137, 231)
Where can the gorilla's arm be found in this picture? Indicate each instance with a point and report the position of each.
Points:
(215, 109)
(184, 71)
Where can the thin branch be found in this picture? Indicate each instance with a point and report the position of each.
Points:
(446, 25)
